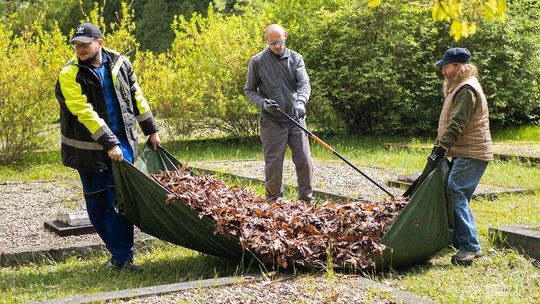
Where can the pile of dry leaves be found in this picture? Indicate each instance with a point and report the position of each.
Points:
(288, 231)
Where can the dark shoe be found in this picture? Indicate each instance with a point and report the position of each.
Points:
(465, 257)
(127, 267)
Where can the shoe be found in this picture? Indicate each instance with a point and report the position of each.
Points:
(127, 267)
(465, 257)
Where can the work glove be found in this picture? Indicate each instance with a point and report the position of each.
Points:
(270, 105)
(437, 154)
(299, 110)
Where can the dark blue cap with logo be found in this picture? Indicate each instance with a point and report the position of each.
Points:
(85, 33)
(459, 55)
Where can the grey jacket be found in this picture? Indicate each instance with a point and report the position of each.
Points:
(284, 80)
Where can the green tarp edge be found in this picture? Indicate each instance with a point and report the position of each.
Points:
(142, 201)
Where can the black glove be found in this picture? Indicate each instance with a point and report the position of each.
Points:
(270, 105)
(437, 154)
(299, 109)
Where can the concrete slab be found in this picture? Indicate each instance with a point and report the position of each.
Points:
(22, 256)
(523, 238)
(535, 160)
(63, 229)
(74, 218)
(490, 195)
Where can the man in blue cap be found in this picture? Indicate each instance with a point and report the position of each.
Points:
(101, 103)
(464, 135)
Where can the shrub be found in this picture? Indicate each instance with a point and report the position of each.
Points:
(375, 67)
(199, 83)
(29, 66)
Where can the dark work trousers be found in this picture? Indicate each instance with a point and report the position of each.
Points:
(275, 137)
(100, 195)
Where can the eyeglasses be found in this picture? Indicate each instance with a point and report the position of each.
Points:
(277, 42)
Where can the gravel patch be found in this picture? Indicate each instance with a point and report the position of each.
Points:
(301, 290)
(24, 207)
(332, 177)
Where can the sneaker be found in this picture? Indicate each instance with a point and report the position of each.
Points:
(127, 267)
(465, 257)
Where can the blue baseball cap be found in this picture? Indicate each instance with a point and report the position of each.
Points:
(459, 55)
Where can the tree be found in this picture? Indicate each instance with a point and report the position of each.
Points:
(462, 15)
(153, 30)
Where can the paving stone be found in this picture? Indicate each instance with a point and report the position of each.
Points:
(523, 238)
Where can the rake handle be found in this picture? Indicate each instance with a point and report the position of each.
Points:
(331, 150)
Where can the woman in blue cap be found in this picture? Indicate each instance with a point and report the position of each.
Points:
(463, 134)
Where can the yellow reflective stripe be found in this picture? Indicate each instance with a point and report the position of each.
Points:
(142, 104)
(116, 68)
(77, 102)
(85, 145)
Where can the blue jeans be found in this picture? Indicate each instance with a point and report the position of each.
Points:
(463, 179)
(100, 194)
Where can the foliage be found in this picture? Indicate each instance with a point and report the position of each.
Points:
(28, 69)
(205, 72)
(121, 37)
(154, 20)
(375, 67)
(508, 57)
(463, 15)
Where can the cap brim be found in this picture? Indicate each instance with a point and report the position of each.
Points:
(83, 39)
(441, 62)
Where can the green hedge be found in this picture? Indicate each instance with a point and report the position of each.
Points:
(375, 67)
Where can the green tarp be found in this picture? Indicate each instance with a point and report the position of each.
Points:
(420, 231)
(423, 228)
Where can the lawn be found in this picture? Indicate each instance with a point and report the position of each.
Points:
(502, 276)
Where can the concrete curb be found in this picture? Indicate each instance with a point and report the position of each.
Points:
(500, 156)
(360, 282)
(151, 291)
(523, 238)
(22, 256)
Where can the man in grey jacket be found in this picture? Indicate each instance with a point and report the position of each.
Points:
(277, 78)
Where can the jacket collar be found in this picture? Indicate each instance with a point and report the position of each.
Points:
(286, 53)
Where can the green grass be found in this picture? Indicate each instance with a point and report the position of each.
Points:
(164, 264)
(503, 276)
(41, 165)
(522, 133)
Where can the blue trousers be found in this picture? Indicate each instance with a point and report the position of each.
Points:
(100, 193)
(463, 179)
